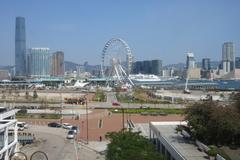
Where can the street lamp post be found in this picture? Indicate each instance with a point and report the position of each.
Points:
(123, 118)
(86, 117)
(128, 112)
(61, 108)
(82, 129)
(130, 109)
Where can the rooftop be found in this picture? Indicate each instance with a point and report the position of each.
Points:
(186, 148)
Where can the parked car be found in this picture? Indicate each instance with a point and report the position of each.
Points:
(20, 126)
(71, 134)
(115, 103)
(67, 126)
(24, 124)
(75, 129)
(54, 124)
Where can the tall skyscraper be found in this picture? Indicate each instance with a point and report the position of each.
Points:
(20, 47)
(129, 63)
(190, 61)
(228, 57)
(206, 67)
(38, 62)
(206, 64)
(157, 67)
(57, 63)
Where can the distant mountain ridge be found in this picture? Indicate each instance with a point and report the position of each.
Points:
(71, 66)
(181, 66)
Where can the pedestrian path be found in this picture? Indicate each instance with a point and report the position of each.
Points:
(96, 145)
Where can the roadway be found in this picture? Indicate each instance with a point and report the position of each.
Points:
(133, 105)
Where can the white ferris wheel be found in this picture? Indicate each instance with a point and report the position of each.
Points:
(113, 62)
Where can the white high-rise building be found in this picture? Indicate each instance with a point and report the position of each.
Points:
(228, 57)
(129, 63)
(39, 62)
(190, 61)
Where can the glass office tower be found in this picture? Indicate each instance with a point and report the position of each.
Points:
(228, 56)
(38, 62)
(157, 67)
(20, 47)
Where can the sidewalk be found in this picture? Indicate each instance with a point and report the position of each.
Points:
(95, 145)
(92, 151)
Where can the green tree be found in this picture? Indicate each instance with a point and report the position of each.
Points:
(198, 116)
(214, 124)
(127, 145)
(223, 126)
(236, 104)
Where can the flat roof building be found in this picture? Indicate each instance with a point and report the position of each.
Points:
(172, 144)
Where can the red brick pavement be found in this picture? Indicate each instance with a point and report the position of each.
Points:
(110, 123)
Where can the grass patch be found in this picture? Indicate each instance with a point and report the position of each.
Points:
(100, 96)
(139, 99)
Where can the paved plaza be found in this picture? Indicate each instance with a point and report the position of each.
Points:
(109, 123)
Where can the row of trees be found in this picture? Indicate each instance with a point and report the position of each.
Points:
(216, 124)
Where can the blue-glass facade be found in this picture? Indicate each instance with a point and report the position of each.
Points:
(148, 67)
(157, 67)
(20, 47)
(39, 62)
(237, 62)
(206, 64)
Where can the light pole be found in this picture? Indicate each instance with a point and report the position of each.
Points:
(122, 117)
(129, 110)
(86, 117)
(82, 129)
(61, 108)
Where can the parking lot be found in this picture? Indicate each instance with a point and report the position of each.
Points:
(54, 143)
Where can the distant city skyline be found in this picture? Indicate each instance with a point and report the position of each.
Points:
(153, 29)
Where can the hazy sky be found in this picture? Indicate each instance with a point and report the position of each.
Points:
(154, 29)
